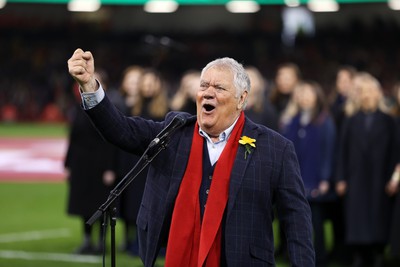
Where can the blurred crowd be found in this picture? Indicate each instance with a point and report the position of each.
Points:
(34, 84)
(335, 95)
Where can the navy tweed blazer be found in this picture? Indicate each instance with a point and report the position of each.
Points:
(269, 177)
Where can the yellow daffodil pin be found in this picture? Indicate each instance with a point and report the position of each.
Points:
(248, 143)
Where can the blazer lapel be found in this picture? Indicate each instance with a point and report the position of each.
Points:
(240, 165)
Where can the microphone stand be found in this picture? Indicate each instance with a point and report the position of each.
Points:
(108, 208)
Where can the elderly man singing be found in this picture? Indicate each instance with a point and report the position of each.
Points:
(210, 194)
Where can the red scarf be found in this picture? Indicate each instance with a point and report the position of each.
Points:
(192, 243)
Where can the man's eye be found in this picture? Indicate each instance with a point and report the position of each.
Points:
(204, 85)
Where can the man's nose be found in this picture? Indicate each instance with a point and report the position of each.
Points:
(209, 92)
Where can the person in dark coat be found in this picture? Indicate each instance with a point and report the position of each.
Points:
(367, 159)
(312, 131)
(90, 171)
(212, 208)
(339, 104)
(287, 76)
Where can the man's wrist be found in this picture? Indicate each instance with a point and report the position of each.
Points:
(90, 87)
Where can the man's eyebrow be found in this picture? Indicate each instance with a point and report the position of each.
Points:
(217, 83)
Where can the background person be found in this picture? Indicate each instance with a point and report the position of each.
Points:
(286, 78)
(90, 169)
(366, 162)
(152, 99)
(312, 131)
(185, 97)
(339, 97)
(258, 107)
(129, 87)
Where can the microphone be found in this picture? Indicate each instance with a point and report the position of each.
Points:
(177, 122)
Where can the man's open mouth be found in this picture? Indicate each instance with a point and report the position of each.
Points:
(208, 107)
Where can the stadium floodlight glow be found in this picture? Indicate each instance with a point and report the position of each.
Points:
(84, 5)
(159, 6)
(2, 3)
(323, 5)
(394, 4)
(292, 3)
(242, 6)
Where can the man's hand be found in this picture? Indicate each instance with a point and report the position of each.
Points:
(81, 68)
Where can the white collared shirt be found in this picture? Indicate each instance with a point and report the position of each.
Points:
(215, 149)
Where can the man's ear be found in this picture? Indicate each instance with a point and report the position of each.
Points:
(242, 100)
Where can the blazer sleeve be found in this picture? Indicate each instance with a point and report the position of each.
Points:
(294, 211)
(132, 134)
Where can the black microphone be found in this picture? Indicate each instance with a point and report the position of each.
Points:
(177, 122)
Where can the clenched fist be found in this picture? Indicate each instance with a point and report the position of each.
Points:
(81, 68)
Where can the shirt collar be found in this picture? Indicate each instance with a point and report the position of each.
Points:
(223, 136)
